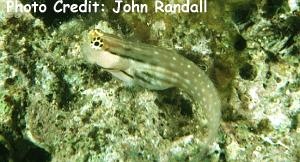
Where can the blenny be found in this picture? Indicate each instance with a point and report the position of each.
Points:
(155, 68)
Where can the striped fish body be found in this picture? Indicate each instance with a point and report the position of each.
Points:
(155, 68)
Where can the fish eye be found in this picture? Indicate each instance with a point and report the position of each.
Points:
(95, 36)
(97, 43)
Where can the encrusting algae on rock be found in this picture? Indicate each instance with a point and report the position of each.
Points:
(155, 68)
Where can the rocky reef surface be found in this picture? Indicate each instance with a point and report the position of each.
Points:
(54, 106)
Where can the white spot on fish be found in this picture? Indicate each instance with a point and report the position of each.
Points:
(172, 65)
(138, 49)
(188, 81)
(193, 92)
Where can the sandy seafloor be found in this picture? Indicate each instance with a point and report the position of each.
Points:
(55, 106)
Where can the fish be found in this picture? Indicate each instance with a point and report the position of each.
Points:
(155, 68)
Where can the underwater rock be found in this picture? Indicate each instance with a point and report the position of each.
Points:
(66, 109)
